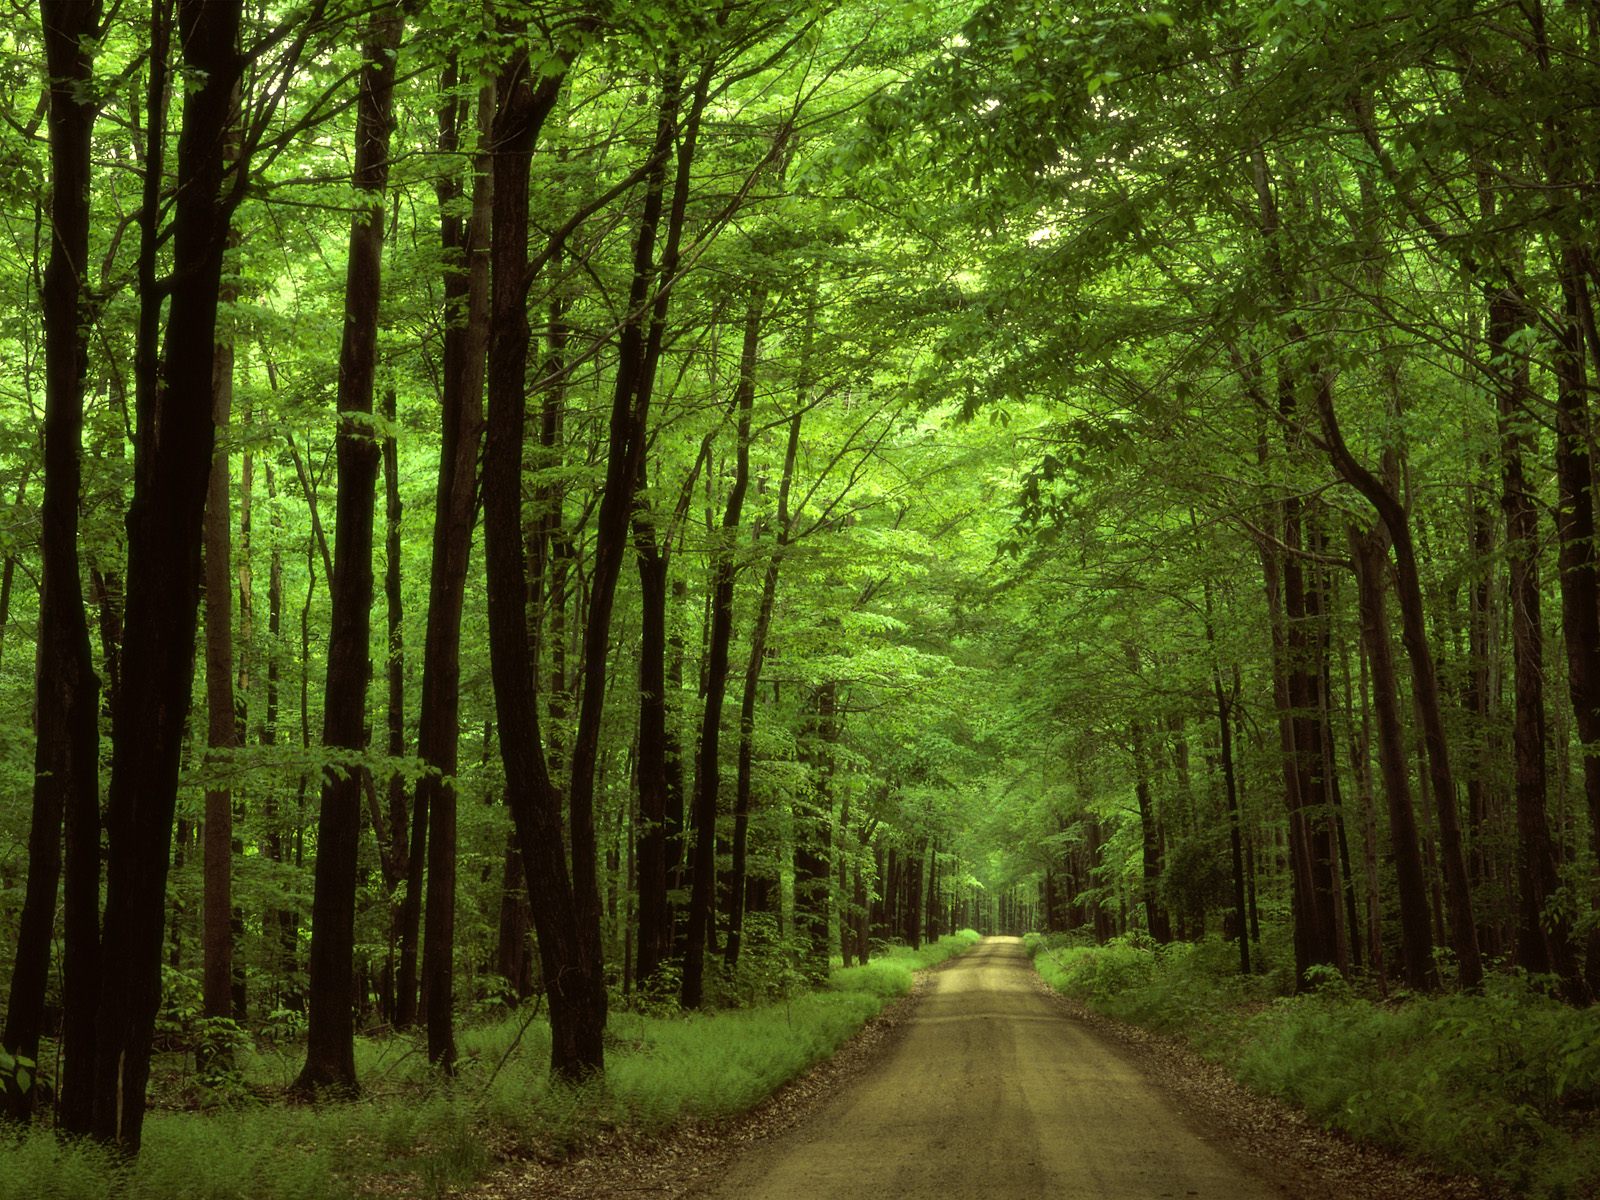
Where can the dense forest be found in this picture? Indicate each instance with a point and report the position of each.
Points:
(602, 507)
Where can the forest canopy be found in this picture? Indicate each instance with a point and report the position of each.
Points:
(616, 506)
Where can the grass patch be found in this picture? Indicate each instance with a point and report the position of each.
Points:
(1503, 1085)
(420, 1136)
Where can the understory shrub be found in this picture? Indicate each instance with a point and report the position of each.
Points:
(1503, 1084)
(413, 1133)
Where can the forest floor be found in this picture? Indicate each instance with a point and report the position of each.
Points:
(983, 1083)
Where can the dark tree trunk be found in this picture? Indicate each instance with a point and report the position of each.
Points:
(397, 858)
(330, 1046)
(222, 724)
(1580, 577)
(566, 923)
(66, 754)
(1230, 782)
(758, 651)
(513, 954)
(1317, 924)
(1425, 687)
(1157, 923)
(1544, 941)
(1416, 945)
(812, 825)
(655, 914)
(466, 291)
(914, 871)
(163, 582)
(702, 900)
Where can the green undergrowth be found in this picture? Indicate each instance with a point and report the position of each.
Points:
(1503, 1084)
(414, 1135)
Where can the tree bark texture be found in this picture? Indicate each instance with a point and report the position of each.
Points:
(330, 1046)
(466, 289)
(1369, 552)
(66, 755)
(702, 899)
(568, 942)
(172, 465)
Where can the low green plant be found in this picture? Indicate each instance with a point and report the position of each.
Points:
(415, 1133)
(1503, 1084)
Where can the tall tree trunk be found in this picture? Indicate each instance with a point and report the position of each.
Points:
(222, 724)
(812, 825)
(1368, 551)
(702, 899)
(655, 913)
(566, 925)
(330, 1045)
(1425, 687)
(914, 875)
(66, 698)
(513, 954)
(1479, 696)
(758, 651)
(455, 512)
(1157, 923)
(171, 472)
(397, 860)
(1543, 937)
(1580, 577)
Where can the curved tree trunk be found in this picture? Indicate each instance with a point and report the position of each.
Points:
(455, 512)
(752, 682)
(569, 953)
(702, 899)
(1544, 938)
(67, 747)
(163, 579)
(1416, 942)
(330, 1046)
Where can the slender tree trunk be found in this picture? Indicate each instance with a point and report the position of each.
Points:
(66, 697)
(455, 512)
(917, 866)
(1482, 686)
(1580, 577)
(1425, 686)
(1543, 938)
(655, 914)
(222, 727)
(565, 923)
(513, 958)
(1157, 923)
(812, 824)
(330, 1046)
(702, 900)
(397, 859)
(1416, 946)
(758, 652)
(163, 582)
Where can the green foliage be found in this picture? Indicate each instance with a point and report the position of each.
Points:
(220, 1042)
(893, 974)
(424, 1136)
(18, 1071)
(1503, 1085)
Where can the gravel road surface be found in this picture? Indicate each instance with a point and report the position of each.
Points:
(992, 1092)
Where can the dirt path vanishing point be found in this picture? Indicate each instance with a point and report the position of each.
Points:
(992, 1092)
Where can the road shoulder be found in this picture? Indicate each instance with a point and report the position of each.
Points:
(1273, 1140)
(687, 1160)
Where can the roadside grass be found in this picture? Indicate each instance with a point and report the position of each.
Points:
(414, 1134)
(1503, 1084)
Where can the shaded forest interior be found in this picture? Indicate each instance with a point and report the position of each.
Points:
(586, 510)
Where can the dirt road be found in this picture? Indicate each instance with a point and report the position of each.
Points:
(993, 1092)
